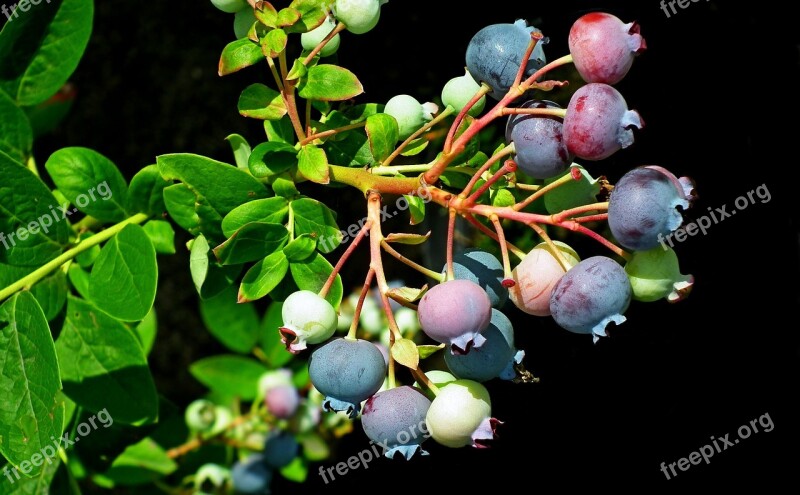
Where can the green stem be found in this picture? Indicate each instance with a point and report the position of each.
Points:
(413, 264)
(419, 132)
(401, 169)
(82, 246)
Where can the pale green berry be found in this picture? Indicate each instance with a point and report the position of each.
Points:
(359, 16)
(312, 38)
(409, 113)
(212, 478)
(655, 274)
(459, 91)
(230, 6)
(307, 319)
(461, 415)
(200, 415)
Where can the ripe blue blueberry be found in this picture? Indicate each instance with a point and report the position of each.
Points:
(251, 476)
(538, 142)
(280, 449)
(395, 419)
(643, 207)
(495, 358)
(592, 294)
(347, 372)
(494, 55)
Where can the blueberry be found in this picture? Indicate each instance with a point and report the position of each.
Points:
(280, 449)
(484, 269)
(252, 476)
(461, 415)
(654, 275)
(455, 313)
(603, 47)
(495, 358)
(395, 419)
(538, 142)
(307, 319)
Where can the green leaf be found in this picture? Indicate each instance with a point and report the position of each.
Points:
(28, 207)
(209, 277)
(351, 151)
(162, 235)
(383, 134)
(146, 331)
(239, 54)
(284, 187)
(31, 413)
(404, 351)
(267, 14)
(296, 471)
(124, 277)
(79, 278)
(416, 208)
(426, 351)
(146, 192)
(300, 248)
(410, 239)
(314, 218)
(274, 43)
(362, 112)
(219, 187)
(270, 210)
(312, 14)
(230, 374)
(328, 82)
(259, 101)
(274, 349)
(264, 276)
(313, 164)
(40, 49)
(272, 158)
(252, 242)
(180, 203)
(91, 182)
(51, 293)
(280, 130)
(103, 366)
(312, 273)
(503, 198)
(10, 273)
(415, 147)
(298, 70)
(406, 294)
(234, 325)
(141, 463)
(241, 150)
(16, 135)
(88, 257)
(39, 484)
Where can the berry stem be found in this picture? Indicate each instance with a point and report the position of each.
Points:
(514, 249)
(552, 245)
(549, 187)
(392, 383)
(600, 217)
(553, 112)
(508, 150)
(416, 266)
(501, 239)
(482, 91)
(419, 132)
(351, 334)
(376, 260)
(577, 227)
(560, 217)
(508, 167)
(330, 132)
(422, 378)
(451, 229)
(343, 259)
(536, 37)
(338, 29)
(275, 74)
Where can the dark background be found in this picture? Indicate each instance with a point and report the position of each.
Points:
(717, 89)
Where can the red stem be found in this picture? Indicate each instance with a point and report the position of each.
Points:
(343, 259)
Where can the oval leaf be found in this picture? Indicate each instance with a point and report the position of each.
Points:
(237, 55)
(124, 277)
(313, 164)
(146, 192)
(383, 134)
(411, 239)
(274, 43)
(314, 218)
(262, 277)
(259, 101)
(209, 277)
(252, 242)
(30, 376)
(300, 248)
(91, 182)
(271, 158)
(404, 351)
(229, 375)
(16, 135)
(269, 210)
(328, 82)
(41, 49)
(103, 366)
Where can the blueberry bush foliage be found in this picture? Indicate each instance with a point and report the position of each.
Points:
(303, 361)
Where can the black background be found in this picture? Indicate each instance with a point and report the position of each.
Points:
(717, 89)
